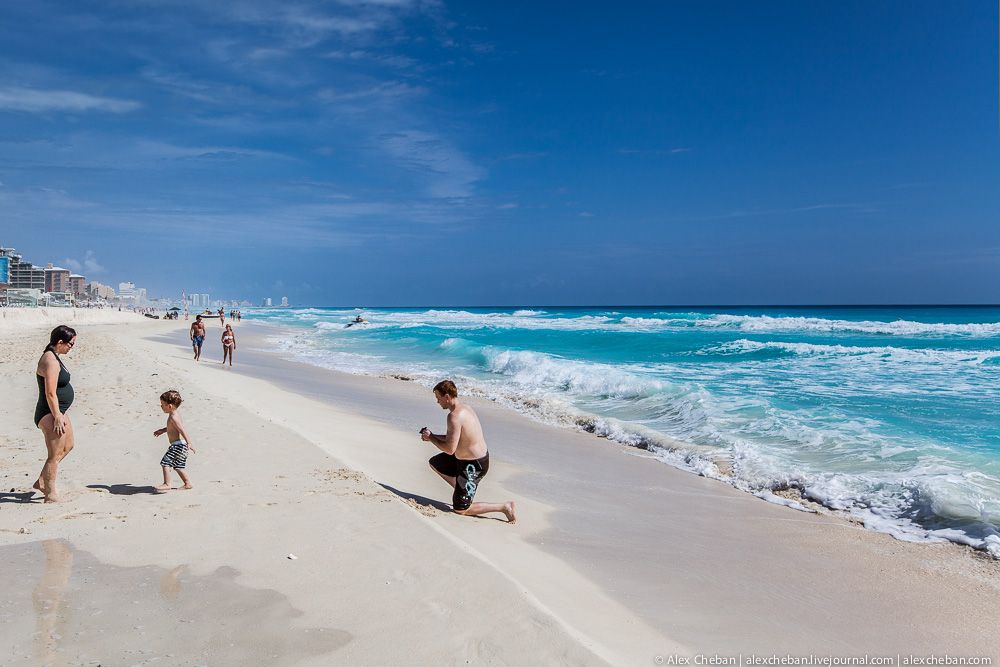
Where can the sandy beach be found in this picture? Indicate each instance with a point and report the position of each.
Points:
(615, 559)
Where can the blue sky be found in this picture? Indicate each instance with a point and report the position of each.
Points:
(424, 152)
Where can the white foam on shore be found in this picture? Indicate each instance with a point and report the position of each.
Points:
(538, 319)
(920, 355)
(452, 319)
(766, 323)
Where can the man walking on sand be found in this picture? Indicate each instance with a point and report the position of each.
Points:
(464, 459)
(197, 334)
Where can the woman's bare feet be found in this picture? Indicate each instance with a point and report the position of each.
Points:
(510, 509)
(50, 494)
(187, 486)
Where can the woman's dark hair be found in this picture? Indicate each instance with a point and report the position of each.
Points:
(61, 334)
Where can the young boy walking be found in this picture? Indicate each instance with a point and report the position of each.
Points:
(180, 443)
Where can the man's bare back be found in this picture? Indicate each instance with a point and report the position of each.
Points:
(471, 442)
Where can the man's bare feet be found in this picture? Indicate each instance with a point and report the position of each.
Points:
(187, 487)
(162, 488)
(510, 509)
(52, 497)
(39, 486)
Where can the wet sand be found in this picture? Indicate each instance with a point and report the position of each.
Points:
(83, 607)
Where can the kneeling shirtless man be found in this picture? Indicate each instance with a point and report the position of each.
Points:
(463, 460)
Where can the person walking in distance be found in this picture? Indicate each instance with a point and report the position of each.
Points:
(197, 334)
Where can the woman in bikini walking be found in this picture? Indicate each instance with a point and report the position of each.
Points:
(55, 396)
(228, 344)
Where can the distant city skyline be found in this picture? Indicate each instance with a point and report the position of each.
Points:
(55, 278)
(426, 152)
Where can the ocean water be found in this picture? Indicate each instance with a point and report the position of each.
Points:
(889, 414)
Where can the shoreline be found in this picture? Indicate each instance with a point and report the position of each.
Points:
(682, 455)
(836, 537)
(629, 560)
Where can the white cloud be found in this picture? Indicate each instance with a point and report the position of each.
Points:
(88, 266)
(391, 60)
(384, 91)
(450, 174)
(653, 151)
(324, 222)
(303, 20)
(35, 100)
(264, 53)
(401, 4)
(90, 263)
(163, 150)
(531, 155)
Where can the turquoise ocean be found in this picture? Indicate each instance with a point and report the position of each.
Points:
(890, 414)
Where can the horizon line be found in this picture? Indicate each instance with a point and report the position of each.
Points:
(756, 305)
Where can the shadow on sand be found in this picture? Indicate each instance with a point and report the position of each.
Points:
(21, 497)
(123, 489)
(419, 500)
(424, 502)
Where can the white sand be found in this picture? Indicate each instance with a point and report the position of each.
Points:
(614, 558)
(19, 319)
(378, 583)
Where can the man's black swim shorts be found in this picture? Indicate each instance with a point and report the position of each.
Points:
(467, 474)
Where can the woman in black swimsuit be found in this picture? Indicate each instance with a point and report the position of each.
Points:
(55, 396)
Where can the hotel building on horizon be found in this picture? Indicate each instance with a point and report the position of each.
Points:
(132, 295)
(23, 275)
(24, 283)
(199, 300)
